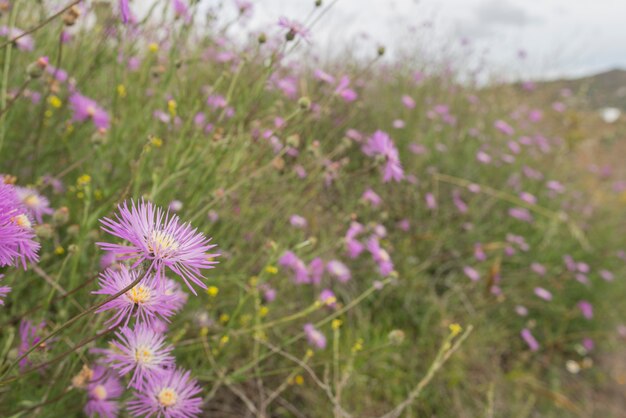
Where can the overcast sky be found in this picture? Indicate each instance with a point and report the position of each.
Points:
(561, 37)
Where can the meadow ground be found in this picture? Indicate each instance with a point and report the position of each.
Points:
(390, 242)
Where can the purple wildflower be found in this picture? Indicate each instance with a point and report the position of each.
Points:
(103, 391)
(297, 266)
(29, 336)
(161, 241)
(146, 301)
(314, 336)
(381, 144)
(316, 270)
(35, 204)
(140, 351)
(380, 256)
(338, 270)
(471, 273)
(17, 237)
(172, 394)
(298, 221)
(85, 108)
(543, 293)
(294, 29)
(529, 339)
(370, 196)
(586, 309)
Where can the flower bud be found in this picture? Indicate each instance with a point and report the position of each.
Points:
(381, 51)
(262, 38)
(61, 215)
(44, 231)
(35, 69)
(396, 337)
(70, 17)
(304, 103)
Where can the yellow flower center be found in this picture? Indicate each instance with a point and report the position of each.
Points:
(143, 355)
(139, 294)
(167, 397)
(23, 221)
(162, 242)
(32, 201)
(91, 111)
(100, 392)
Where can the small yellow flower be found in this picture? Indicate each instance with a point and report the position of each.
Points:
(309, 353)
(83, 180)
(153, 47)
(48, 113)
(224, 340)
(55, 101)
(263, 311)
(204, 331)
(213, 291)
(59, 250)
(455, 329)
(224, 318)
(299, 380)
(336, 324)
(253, 281)
(271, 269)
(358, 346)
(121, 90)
(330, 301)
(156, 142)
(171, 107)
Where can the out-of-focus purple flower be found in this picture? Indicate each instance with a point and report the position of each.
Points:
(175, 205)
(146, 300)
(344, 91)
(380, 256)
(294, 29)
(85, 108)
(338, 270)
(483, 157)
(103, 392)
(471, 273)
(504, 127)
(323, 76)
(370, 196)
(161, 241)
(328, 298)
(125, 12)
(380, 144)
(521, 310)
(316, 270)
(408, 101)
(543, 293)
(24, 43)
(588, 344)
(181, 10)
(298, 221)
(314, 336)
(141, 352)
(479, 252)
(36, 204)
(458, 202)
(297, 266)
(521, 214)
(586, 309)
(170, 394)
(607, 275)
(538, 268)
(530, 339)
(431, 202)
(29, 336)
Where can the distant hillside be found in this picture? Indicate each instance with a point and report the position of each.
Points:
(606, 89)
